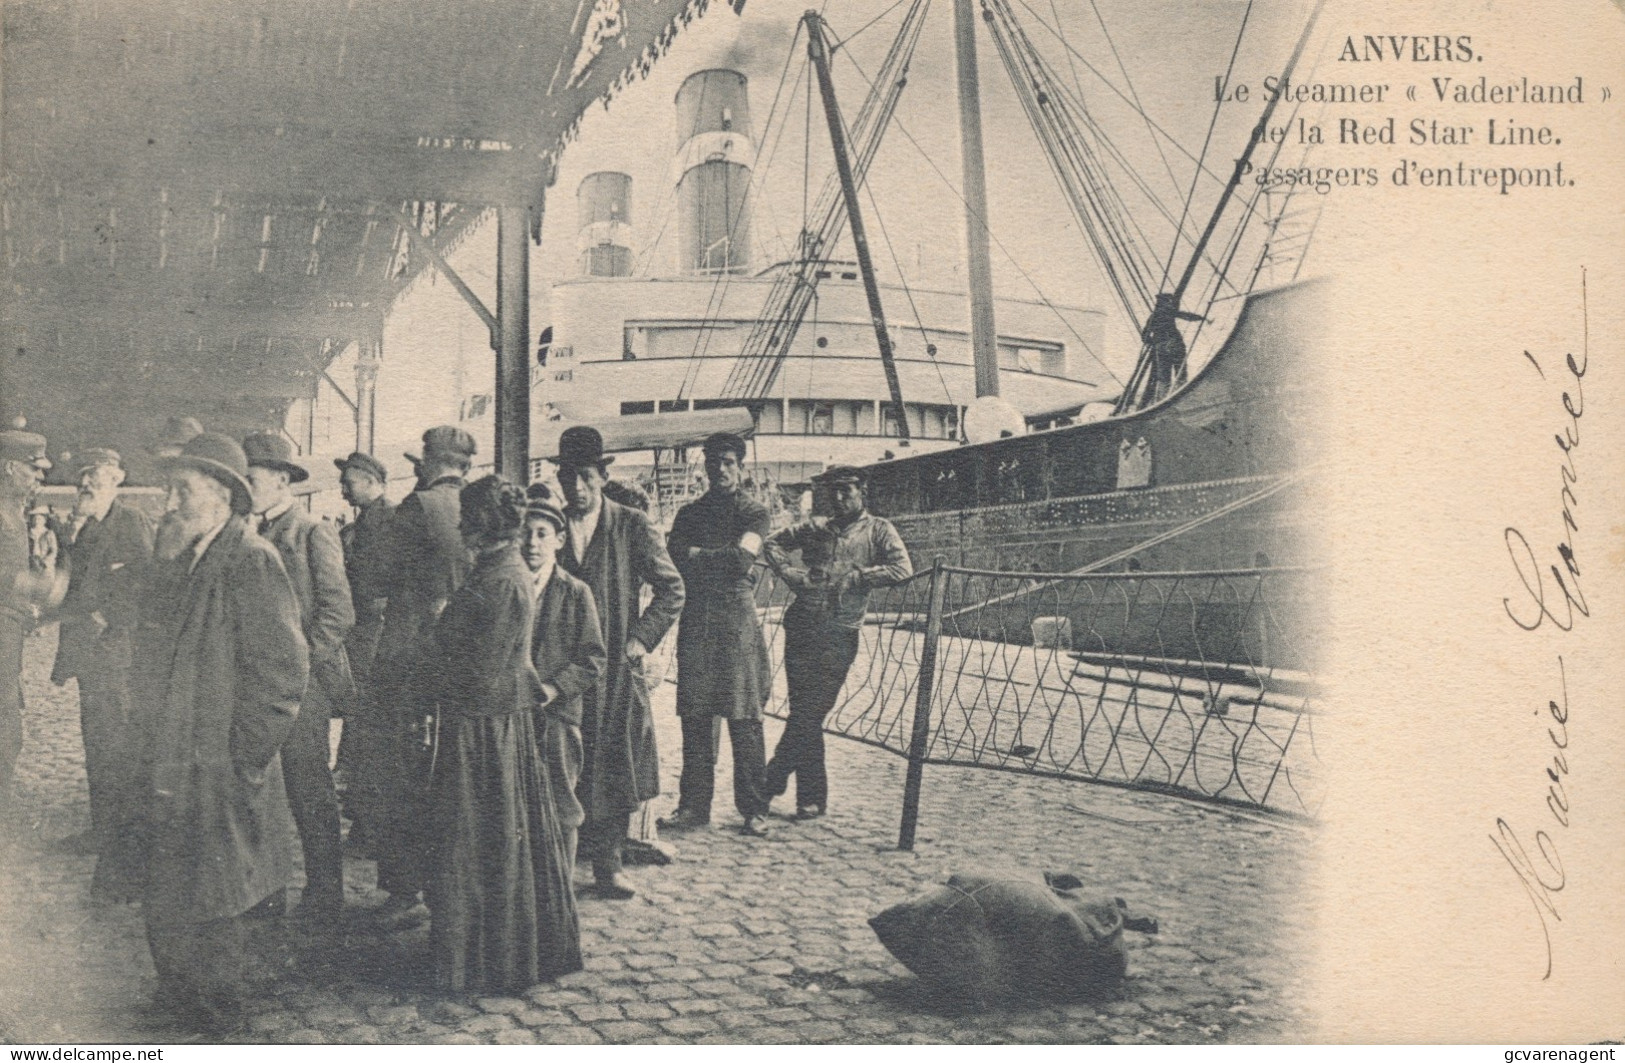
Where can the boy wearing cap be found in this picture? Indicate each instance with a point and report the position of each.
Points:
(842, 557)
(25, 583)
(722, 669)
(107, 544)
(567, 648)
(314, 562)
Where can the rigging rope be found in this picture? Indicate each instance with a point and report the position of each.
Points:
(1166, 165)
(768, 343)
(1009, 256)
(908, 293)
(1190, 196)
(1222, 179)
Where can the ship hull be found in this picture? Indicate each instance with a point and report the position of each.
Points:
(1182, 535)
(1216, 476)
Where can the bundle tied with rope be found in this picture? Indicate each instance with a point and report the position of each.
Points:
(982, 940)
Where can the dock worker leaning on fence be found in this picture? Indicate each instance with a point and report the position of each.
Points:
(842, 558)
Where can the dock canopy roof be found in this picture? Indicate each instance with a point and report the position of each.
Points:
(204, 202)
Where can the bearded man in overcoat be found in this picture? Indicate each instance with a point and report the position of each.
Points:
(234, 667)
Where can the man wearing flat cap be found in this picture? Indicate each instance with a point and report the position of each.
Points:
(428, 562)
(26, 582)
(367, 565)
(107, 545)
(842, 558)
(314, 562)
(722, 670)
(229, 667)
(616, 552)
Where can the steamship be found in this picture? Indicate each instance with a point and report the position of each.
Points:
(985, 439)
(654, 361)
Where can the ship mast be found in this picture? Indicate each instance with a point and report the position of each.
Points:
(979, 269)
(818, 52)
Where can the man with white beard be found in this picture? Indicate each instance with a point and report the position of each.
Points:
(224, 667)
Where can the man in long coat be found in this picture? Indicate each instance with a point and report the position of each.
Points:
(234, 668)
(107, 544)
(722, 670)
(367, 564)
(314, 562)
(615, 551)
(429, 562)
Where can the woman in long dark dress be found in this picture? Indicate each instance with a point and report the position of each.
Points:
(504, 917)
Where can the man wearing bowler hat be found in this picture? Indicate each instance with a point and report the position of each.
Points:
(615, 551)
(362, 479)
(107, 544)
(427, 562)
(722, 670)
(230, 667)
(314, 561)
(842, 557)
(26, 582)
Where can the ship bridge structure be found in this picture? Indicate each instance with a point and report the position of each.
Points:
(206, 203)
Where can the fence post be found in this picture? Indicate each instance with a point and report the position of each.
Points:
(922, 706)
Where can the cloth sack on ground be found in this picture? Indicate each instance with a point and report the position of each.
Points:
(983, 939)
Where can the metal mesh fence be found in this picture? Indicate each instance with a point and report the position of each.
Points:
(1198, 683)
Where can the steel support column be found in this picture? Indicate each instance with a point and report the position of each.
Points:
(513, 348)
(369, 358)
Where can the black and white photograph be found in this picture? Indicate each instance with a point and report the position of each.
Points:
(634, 522)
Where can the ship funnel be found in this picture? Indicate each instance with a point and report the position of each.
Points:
(604, 212)
(715, 157)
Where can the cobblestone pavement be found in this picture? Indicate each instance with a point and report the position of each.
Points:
(737, 940)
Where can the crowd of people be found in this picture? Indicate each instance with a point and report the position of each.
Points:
(486, 644)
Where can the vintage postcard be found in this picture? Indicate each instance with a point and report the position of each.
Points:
(713, 521)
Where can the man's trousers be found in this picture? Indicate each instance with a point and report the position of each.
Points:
(697, 784)
(816, 661)
(314, 803)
